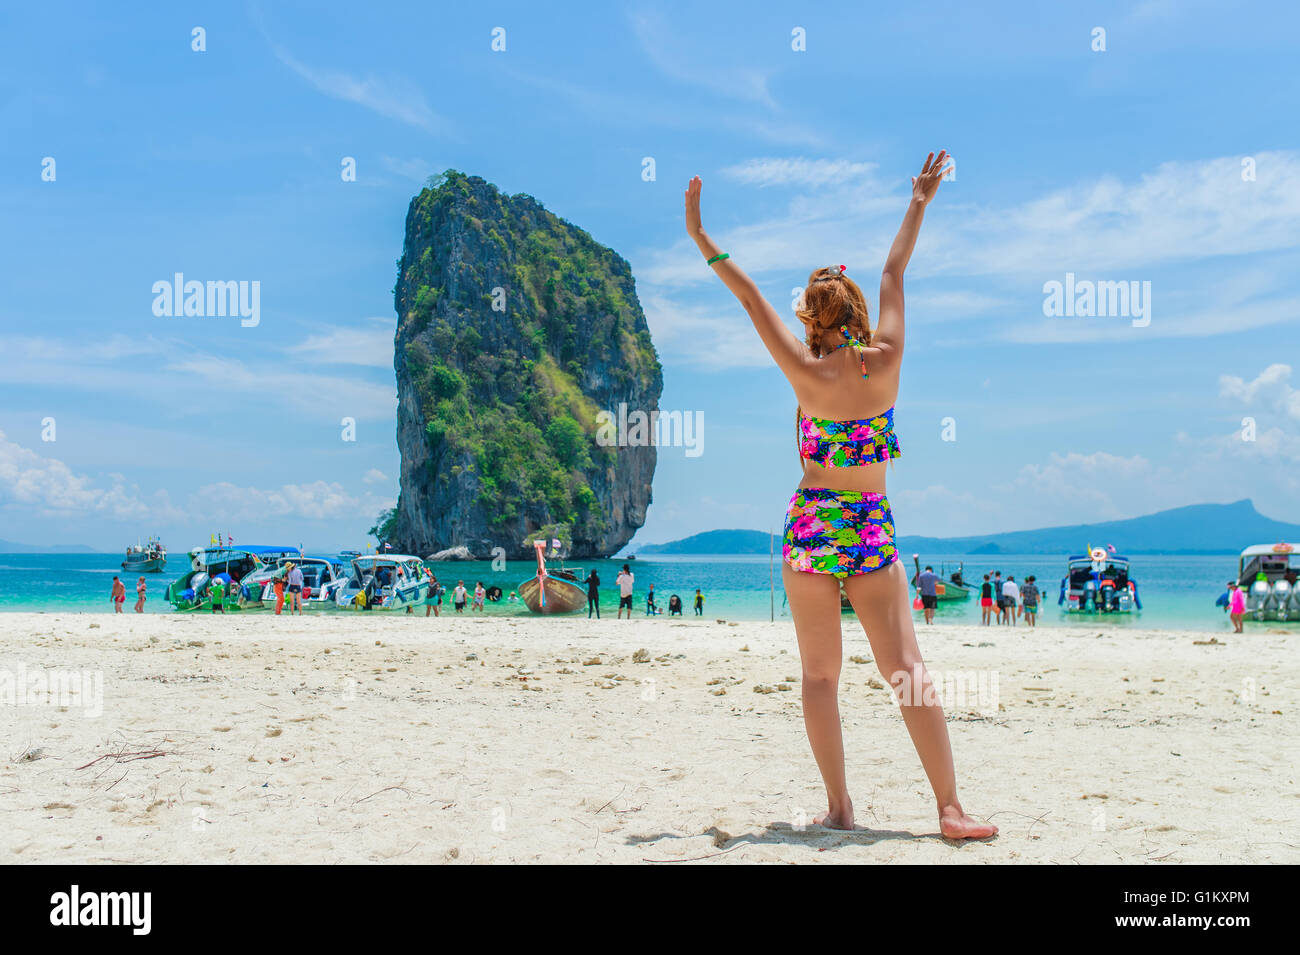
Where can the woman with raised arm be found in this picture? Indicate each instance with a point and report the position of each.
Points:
(839, 530)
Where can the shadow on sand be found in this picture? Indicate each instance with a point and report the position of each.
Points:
(785, 833)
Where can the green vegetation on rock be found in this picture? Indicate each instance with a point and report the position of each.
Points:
(515, 329)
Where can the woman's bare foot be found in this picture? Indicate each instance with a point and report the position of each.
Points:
(841, 818)
(955, 824)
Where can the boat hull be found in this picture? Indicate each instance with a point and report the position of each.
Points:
(150, 565)
(552, 595)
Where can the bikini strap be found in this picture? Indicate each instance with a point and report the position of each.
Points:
(844, 330)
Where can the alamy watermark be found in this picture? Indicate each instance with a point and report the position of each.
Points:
(20, 686)
(178, 298)
(1084, 298)
(969, 690)
(665, 429)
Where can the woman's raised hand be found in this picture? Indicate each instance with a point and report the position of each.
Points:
(693, 227)
(926, 184)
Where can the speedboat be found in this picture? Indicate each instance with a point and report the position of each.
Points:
(1267, 573)
(229, 564)
(322, 578)
(383, 582)
(1099, 582)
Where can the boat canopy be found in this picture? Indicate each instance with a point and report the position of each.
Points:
(245, 549)
(1280, 549)
(1110, 558)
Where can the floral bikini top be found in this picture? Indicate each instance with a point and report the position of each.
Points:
(842, 444)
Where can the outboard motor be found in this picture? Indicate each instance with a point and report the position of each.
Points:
(1088, 599)
(1259, 598)
(1293, 604)
(1281, 597)
(1107, 598)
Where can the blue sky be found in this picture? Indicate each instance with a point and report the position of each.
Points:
(1117, 165)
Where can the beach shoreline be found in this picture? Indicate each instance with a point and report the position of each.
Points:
(392, 738)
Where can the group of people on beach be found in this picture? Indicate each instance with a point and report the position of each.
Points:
(460, 596)
(626, 581)
(1005, 600)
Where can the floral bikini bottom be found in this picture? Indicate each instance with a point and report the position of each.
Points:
(844, 533)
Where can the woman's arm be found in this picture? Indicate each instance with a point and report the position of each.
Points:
(889, 329)
(791, 355)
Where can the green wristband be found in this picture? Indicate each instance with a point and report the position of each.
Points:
(718, 258)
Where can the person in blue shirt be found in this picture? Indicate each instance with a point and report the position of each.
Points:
(926, 585)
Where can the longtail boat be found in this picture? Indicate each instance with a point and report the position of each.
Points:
(552, 591)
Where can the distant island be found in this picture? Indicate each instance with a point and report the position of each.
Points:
(1195, 529)
(13, 547)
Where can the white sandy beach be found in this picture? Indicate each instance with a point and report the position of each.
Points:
(371, 738)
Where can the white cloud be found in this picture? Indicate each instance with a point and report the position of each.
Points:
(314, 501)
(32, 348)
(371, 344)
(803, 172)
(309, 395)
(51, 488)
(1166, 322)
(701, 337)
(1271, 387)
(1181, 211)
(391, 97)
(375, 476)
(1179, 214)
(1089, 488)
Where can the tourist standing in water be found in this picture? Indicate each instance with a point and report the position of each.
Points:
(432, 596)
(118, 595)
(1012, 594)
(839, 527)
(593, 593)
(140, 588)
(1029, 599)
(927, 586)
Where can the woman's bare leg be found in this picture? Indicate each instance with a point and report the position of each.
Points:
(880, 600)
(815, 608)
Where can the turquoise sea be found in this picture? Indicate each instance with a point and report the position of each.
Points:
(1176, 591)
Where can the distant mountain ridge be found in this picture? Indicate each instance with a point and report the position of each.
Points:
(714, 542)
(1194, 529)
(13, 547)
